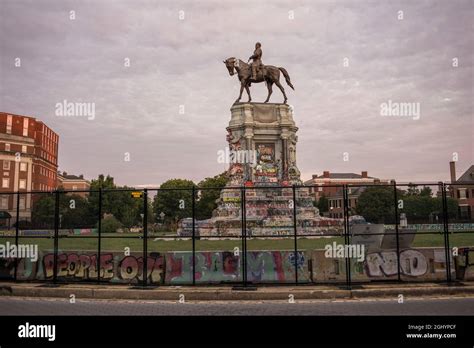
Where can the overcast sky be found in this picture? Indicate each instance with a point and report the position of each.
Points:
(178, 61)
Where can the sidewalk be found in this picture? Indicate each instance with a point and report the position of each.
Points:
(226, 293)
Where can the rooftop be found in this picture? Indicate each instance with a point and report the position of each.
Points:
(468, 175)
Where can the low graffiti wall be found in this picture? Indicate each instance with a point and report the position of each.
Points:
(162, 268)
(425, 264)
(174, 268)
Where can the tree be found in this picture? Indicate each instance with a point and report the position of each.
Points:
(110, 225)
(174, 199)
(206, 203)
(76, 212)
(412, 190)
(43, 210)
(119, 203)
(323, 204)
(423, 208)
(426, 191)
(376, 204)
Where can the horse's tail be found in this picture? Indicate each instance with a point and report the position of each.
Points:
(287, 77)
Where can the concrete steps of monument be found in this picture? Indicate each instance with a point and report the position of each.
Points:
(228, 293)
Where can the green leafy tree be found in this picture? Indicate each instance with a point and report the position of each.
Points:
(175, 201)
(110, 225)
(323, 204)
(119, 203)
(76, 212)
(426, 191)
(376, 204)
(412, 190)
(206, 203)
(423, 208)
(42, 214)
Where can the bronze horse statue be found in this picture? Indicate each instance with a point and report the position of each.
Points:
(268, 74)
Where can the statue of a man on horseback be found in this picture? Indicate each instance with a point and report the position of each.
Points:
(256, 60)
(256, 73)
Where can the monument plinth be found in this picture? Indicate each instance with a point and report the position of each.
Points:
(262, 145)
(266, 134)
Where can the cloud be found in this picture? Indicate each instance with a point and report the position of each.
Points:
(179, 62)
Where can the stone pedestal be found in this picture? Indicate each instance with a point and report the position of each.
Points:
(263, 139)
(262, 145)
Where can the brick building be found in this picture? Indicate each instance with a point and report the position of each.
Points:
(28, 159)
(325, 183)
(336, 201)
(69, 182)
(463, 191)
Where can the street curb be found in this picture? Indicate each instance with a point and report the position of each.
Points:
(228, 294)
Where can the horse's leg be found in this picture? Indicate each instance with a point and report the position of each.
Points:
(248, 91)
(282, 90)
(241, 90)
(270, 90)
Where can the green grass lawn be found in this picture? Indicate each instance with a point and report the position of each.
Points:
(160, 245)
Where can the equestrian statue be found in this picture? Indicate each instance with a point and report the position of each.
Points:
(256, 72)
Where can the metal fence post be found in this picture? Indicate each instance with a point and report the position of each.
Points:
(447, 252)
(295, 234)
(395, 197)
(244, 237)
(145, 236)
(17, 231)
(193, 206)
(346, 234)
(56, 237)
(99, 231)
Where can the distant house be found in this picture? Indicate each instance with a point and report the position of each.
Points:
(462, 190)
(70, 182)
(336, 201)
(329, 184)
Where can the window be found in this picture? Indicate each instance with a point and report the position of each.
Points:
(23, 184)
(7, 147)
(4, 202)
(22, 203)
(462, 193)
(74, 187)
(9, 124)
(25, 127)
(6, 183)
(23, 166)
(6, 165)
(24, 148)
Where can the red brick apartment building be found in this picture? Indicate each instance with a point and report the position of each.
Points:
(28, 162)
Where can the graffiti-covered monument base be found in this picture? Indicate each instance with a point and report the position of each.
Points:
(262, 154)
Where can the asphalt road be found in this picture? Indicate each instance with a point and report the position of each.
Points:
(419, 306)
